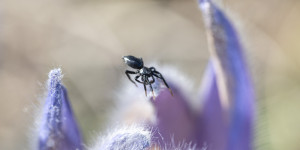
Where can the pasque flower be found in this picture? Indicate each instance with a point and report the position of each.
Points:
(224, 120)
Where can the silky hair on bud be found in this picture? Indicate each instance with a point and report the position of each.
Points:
(134, 137)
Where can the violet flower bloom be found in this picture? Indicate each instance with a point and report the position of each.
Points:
(226, 119)
(58, 127)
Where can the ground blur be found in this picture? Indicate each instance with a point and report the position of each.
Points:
(88, 38)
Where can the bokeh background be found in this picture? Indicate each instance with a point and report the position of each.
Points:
(87, 38)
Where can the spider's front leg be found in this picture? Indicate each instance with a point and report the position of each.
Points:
(159, 75)
(127, 72)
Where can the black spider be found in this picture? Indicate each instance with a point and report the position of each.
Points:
(144, 72)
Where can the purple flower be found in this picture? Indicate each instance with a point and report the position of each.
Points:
(223, 120)
(226, 119)
(58, 127)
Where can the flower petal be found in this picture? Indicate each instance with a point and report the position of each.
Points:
(58, 129)
(234, 84)
(175, 121)
(212, 122)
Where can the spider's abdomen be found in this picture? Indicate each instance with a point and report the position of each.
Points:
(133, 62)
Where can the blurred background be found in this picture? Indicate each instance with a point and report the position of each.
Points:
(87, 38)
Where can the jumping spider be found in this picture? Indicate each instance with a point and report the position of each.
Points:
(144, 72)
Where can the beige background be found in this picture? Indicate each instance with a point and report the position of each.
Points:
(88, 38)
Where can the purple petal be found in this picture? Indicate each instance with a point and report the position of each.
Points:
(234, 84)
(212, 121)
(175, 121)
(58, 128)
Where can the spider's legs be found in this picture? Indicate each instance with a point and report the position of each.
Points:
(136, 79)
(152, 69)
(143, 79)
(153, 80)
(159, 75)
(127, 72)
(151, 86)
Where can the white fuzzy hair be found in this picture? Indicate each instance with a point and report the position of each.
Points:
(133, 137)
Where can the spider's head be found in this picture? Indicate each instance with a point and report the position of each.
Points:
(133, 62)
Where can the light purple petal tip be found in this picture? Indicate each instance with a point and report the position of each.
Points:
(58, 129)
(175, 122)
(232, 76)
